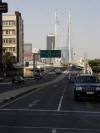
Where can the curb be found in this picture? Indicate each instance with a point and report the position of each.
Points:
(8, 99)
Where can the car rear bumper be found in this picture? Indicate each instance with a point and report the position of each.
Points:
(87, 94)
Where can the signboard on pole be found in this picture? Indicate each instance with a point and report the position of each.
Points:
(50, 53)
(3, 7)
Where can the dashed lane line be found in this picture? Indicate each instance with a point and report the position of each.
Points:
(61, 99)
(53, 130)
(34, 103)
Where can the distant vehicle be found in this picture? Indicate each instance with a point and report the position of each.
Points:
(72, 77)
(17, 79)
(1, 79)
(79, 68)
(86, 86)
(38, 74)
(58, 71)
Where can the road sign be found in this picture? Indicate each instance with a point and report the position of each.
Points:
(50, 53)
(3, 7)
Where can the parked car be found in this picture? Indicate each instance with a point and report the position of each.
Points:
(58, 71)
(17, 79)
(37, 74)
(1, 79)
(86, 86)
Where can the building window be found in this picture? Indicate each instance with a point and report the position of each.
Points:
(9, 32)
(10, 49)
(9, 23)
(9, 41)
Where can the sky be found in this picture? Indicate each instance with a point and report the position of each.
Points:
(39, 21)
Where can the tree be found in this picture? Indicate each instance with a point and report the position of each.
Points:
(95, 65)
(8, 60)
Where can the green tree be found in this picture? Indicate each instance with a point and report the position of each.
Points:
(95, 65)
(8, 60)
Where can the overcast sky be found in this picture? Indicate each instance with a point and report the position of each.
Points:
(38, 16)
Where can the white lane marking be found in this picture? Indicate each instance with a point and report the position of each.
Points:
(53, 130)
(61, 111)
(49, 128)
(61, 99)
(34, 103)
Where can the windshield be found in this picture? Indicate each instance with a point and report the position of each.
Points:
(87, 79)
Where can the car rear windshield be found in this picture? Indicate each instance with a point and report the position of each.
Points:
(87, 79)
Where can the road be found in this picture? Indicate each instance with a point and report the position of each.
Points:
(8, 86)
(51, 109)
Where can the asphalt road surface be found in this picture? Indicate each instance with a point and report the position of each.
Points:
(51, 109)
(9, 86)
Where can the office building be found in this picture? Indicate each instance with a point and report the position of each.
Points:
(13, 36)
(28, 47)
(50, 46)
(65, 54)
(50, 42)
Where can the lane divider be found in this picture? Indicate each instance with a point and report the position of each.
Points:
(61, 99)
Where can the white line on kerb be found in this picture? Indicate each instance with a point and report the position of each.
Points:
(61, 99)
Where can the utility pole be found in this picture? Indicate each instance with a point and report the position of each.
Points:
(34, 61)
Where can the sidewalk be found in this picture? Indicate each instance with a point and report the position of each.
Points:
(5, 96)
(9, 81)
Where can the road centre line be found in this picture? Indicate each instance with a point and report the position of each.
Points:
(50, 128)
(61, 111)
(61, 99)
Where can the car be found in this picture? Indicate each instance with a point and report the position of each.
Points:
(1, 79)
(17, 79)
(86, 85)
(37, 74)
(58, 71)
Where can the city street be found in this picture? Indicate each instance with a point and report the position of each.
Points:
(51, 109)
(49, 66)
(28, 82)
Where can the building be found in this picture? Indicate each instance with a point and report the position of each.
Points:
(50, 42)
(13, 36)
(50, 46)
(28, 47)
(65, 54)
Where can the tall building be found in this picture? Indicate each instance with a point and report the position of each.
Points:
(28, 47)
(50, 42)
(13, 36)
(65, 54)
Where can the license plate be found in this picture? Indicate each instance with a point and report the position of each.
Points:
(89, 92)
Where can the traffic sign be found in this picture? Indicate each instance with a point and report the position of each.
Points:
(50, 53)
(3, 7)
